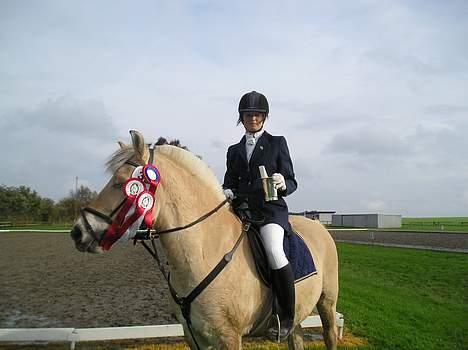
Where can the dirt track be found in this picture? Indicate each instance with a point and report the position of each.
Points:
(46, 282)
(457, 242)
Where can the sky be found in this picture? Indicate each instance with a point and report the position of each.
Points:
(370, 95)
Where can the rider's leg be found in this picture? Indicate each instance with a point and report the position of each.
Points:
(282, 275)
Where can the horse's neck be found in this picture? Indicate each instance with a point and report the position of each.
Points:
(193, 252)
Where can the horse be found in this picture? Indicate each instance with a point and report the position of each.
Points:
(236, 303)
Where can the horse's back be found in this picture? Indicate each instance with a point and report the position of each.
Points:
(322, 288)
(319, 241)
(315, 234)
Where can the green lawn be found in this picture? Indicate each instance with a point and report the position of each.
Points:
(435, 224)
(404, 298)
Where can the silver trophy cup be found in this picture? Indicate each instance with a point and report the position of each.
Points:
(269, 189)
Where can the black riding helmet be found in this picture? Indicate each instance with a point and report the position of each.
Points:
(253, 102)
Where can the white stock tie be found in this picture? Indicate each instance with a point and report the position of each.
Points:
(249, 145)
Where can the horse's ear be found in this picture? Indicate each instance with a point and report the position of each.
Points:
(139, 145)
(121, 144)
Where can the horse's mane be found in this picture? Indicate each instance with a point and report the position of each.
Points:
(199, 168)
(177, 153)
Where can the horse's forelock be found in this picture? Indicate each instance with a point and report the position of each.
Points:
(119, 158)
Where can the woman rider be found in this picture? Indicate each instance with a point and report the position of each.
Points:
(257, 147)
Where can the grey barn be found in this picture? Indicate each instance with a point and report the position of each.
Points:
(367, 220)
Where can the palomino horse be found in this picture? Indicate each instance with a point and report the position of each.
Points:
(236, 302)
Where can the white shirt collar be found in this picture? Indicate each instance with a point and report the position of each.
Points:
(256, 135)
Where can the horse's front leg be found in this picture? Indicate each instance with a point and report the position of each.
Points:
(296, 339)
(214, 340)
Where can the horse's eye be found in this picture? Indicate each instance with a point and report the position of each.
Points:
(117, 185)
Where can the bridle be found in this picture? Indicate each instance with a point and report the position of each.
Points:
(107, 218)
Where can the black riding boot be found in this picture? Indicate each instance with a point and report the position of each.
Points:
(283, 286)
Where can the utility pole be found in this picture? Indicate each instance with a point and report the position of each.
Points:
(76, 196)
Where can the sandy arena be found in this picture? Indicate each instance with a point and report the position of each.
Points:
(46, 282)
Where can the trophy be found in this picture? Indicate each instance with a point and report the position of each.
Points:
(269, 189)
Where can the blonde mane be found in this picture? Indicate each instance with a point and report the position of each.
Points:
(188, 160)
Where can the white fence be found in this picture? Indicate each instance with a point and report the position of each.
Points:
(74, 335)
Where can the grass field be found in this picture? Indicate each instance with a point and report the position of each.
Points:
(436, 224)
(404, 298)
(391, 299)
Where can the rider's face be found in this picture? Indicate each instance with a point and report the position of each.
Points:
(253, 121)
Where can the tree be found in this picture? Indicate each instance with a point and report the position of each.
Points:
(67, 208)
(84, 195)
(21, 204)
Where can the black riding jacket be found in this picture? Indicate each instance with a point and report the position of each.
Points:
(244, 177)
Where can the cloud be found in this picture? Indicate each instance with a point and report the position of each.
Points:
(65, 115)
(369, 141)
(375, 206)
(54, 142)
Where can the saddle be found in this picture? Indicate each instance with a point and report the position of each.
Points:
(297, 252)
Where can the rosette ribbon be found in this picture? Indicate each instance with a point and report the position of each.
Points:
(139, 192)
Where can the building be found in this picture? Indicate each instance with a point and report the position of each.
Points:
(366, 220)
(324, 216)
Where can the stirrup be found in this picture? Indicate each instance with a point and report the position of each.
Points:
(279, 333)
(275, 328)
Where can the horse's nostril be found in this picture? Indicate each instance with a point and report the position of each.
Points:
(76, 234)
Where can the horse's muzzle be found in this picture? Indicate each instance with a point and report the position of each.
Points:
(76, 234)
(77, 237)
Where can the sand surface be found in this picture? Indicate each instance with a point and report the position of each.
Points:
(46, 282)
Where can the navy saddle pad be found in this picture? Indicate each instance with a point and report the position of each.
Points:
(299, 256)
(296, 251)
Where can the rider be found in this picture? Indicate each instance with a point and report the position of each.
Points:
(257, 147)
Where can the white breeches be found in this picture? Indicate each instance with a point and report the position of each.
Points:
(272, 237)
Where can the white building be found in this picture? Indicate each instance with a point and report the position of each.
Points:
(324, 216)
(366, 220)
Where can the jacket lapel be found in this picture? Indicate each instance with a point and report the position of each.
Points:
(260, 148)
(242, 151)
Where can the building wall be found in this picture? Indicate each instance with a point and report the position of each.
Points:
(367, 220)
(389, 221)
(325, 218)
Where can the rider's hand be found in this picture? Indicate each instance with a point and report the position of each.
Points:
(278, 181)
(229, 194)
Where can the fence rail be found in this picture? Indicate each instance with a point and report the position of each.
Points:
(75, 335)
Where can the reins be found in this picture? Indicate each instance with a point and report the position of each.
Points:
(151, 234)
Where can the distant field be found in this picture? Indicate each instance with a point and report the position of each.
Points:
(36, 227)
(436, 224)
